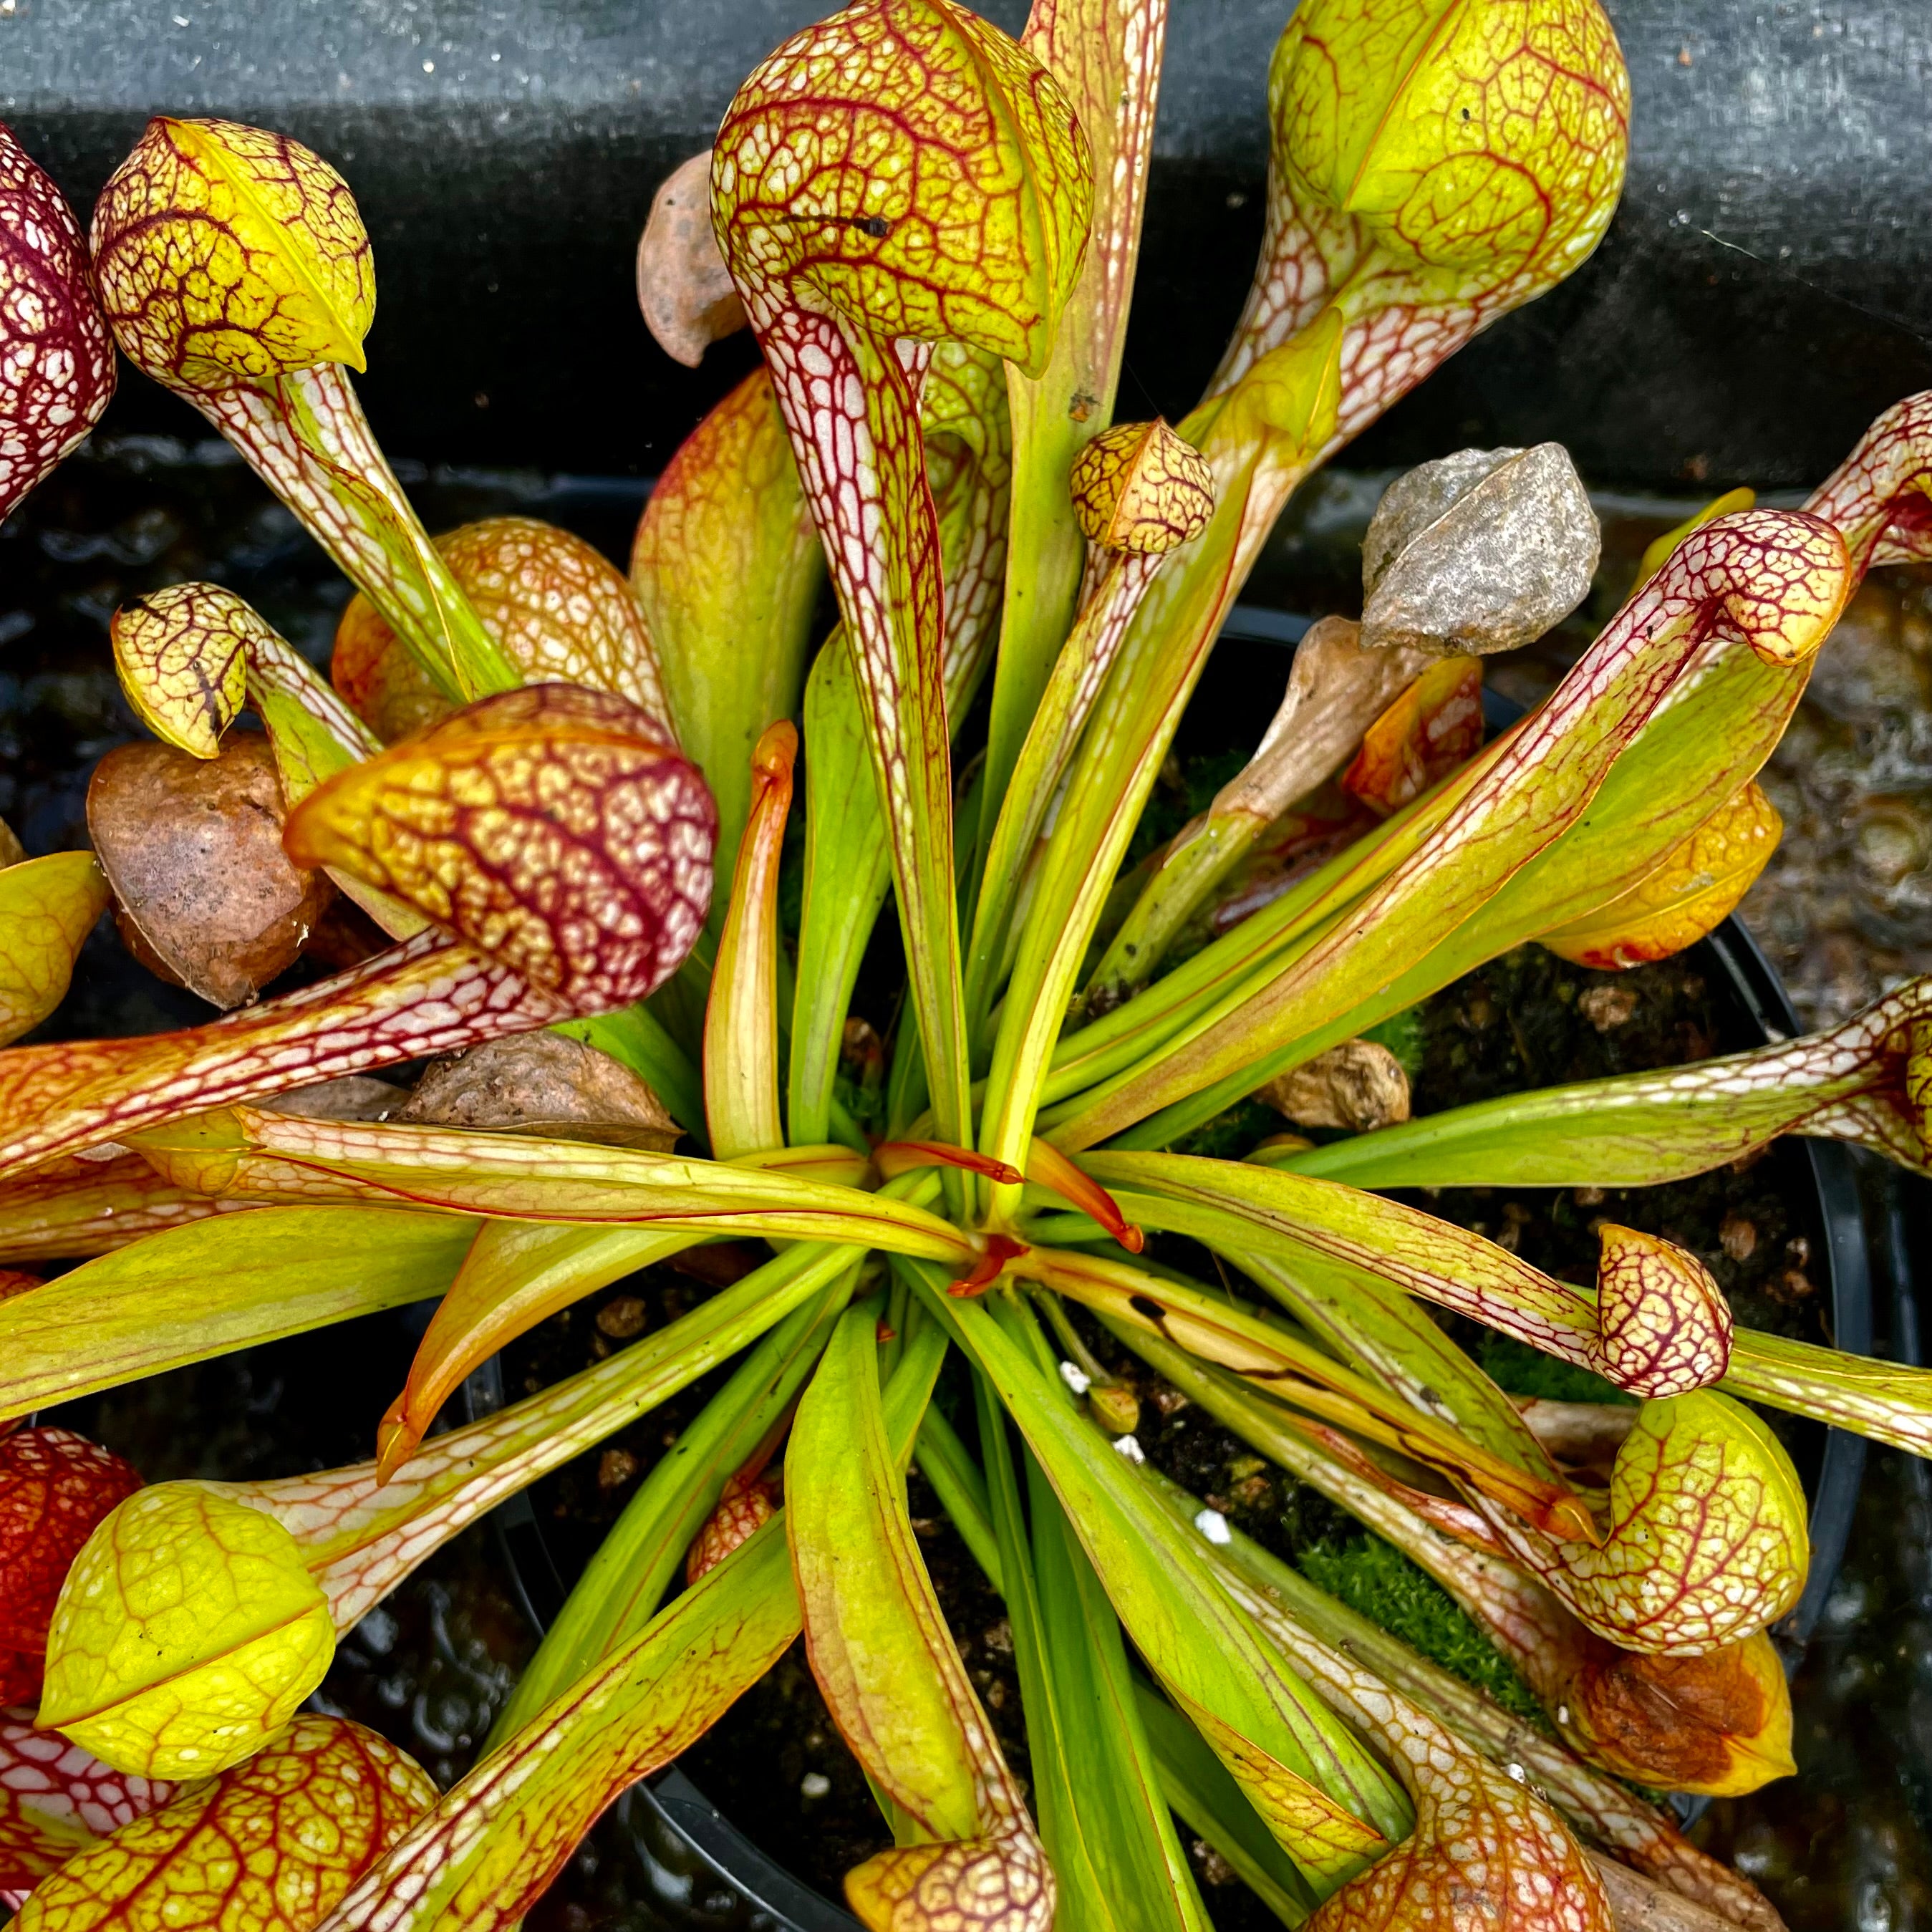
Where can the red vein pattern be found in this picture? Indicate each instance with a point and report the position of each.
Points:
(548, 828)
(1771, 581)
(1509, 129)
(270, 1845)
(189, 656)
(557, 608)
(1665, 1326)
(56, 356)
(899, 175)
(1880, 496)
(54, 1487)
(1486, 1851)
(1706, 1542)
(55, 1797)
(195, 236)
(76, 1208)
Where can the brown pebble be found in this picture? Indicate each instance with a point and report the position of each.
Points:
(1587, 1197)
(1215, 1870)
(615, 1468)
(1737, 1237)
(1794, 1285)
(1798, 1251)
(1606, 1007)
(1169, 1401)
(999, 1637)
(622, 1316)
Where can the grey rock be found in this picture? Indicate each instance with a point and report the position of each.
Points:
(1478, 552)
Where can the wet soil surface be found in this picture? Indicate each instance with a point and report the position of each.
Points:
(1845, 909)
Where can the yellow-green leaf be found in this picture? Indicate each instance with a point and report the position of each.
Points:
(188, 1632)
(877, 1639)
(224, 252)
(47, 908)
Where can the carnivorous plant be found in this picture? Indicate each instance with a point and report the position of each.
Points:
(566, 799)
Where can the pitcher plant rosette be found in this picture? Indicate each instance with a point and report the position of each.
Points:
(524, 780)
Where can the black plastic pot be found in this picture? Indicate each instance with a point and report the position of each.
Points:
(697, 1869)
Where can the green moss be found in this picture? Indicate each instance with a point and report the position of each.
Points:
(866, 1104)
(1517, 1369)
(1402, 1034)
(1374, 1579)
(1169, 806)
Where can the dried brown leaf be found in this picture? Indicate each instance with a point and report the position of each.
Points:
(542, 1083)
(683, 287)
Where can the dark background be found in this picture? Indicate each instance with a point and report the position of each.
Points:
(1767, 286)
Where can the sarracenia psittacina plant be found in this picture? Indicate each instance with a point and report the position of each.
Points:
(561, 850)
(235, 269)
(901, 196)
(56, 357)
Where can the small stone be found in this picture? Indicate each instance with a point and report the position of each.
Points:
(814, 1784)
(1215, 1870)
(1738, 1237)
(1168, 1400)
(615, 1468)
(1478, 552)
(1358, 1085)
(1587, 1197)
(1076, 1378)
(999, 1637)
(622, 1316)
(1128, 1447)
(1607, 1007)
(1214, 1525)
(205, 895)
